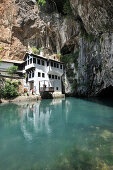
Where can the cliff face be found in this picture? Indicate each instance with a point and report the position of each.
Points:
(86, 36)
(23, 25)
(95, 62)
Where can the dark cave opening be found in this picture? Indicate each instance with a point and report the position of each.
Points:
(56, 5)
(107, 92)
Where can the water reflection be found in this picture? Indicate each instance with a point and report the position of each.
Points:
(35, 117)
(35, 135)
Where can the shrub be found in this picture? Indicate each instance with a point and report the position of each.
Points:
(12, 70)
(41, 2)
(34, 50)
(10, 89)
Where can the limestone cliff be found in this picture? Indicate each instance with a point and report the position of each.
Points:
(84, 38)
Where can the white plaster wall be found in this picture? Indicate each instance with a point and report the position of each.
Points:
(46, 70)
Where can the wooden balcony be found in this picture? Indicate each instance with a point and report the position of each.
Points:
(46, 89)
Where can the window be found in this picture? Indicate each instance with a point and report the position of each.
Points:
(26, 63)
(33, 74)
(51, 64)
(39, 74)
(34, 60)
(47, 63)
(29, 75)
(56, 88)
(38, 61)
(57, 65)
(60, 66)
(43, 75)
(55, 76)
(43, 62)
(54, 64)
(59, 78)
(50, 76)
(30, 60)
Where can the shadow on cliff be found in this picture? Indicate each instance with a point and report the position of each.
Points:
(105, 97)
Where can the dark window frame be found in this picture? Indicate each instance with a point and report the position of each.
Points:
(34, 60)
(43, 75)
(54, 64)
(33, 74)
(31, 61)
(39, 74)
(38, 61)
(61, 66)
(51, 63)
(53, 77)
(49, 76)
(30, 75)
(56, 77)
(42, 62)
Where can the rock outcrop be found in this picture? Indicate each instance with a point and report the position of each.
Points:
(95, 62)
(87, 35)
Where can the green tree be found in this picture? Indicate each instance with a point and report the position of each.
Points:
(10, 89)
(41, 2)
(12, 70)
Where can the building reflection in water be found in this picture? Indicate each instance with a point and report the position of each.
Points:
(35, 117)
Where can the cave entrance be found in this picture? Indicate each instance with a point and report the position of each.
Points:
(107, 92)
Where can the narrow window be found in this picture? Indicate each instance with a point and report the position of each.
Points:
(47, 63)
(31, 61)
(60, 66)
(57, 65)
(54, 64)
(59, 78)
(39, 74)
(34, 60)
(55, 76)
(43, 62)
(33, 74)
(29, 75)
(38, 61)
(28, 62)
(43, 75)
(56, 88)
(52, 76)
(51, 64)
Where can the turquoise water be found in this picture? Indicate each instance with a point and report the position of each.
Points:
(61, 134)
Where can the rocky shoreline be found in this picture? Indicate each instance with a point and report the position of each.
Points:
(28, 98)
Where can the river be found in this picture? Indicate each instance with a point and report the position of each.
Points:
(58, 134)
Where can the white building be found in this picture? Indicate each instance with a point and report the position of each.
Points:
(43, 74)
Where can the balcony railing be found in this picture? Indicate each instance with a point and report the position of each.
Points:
(46, 89)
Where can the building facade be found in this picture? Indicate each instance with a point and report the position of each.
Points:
(42, 74)
(38, 74)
